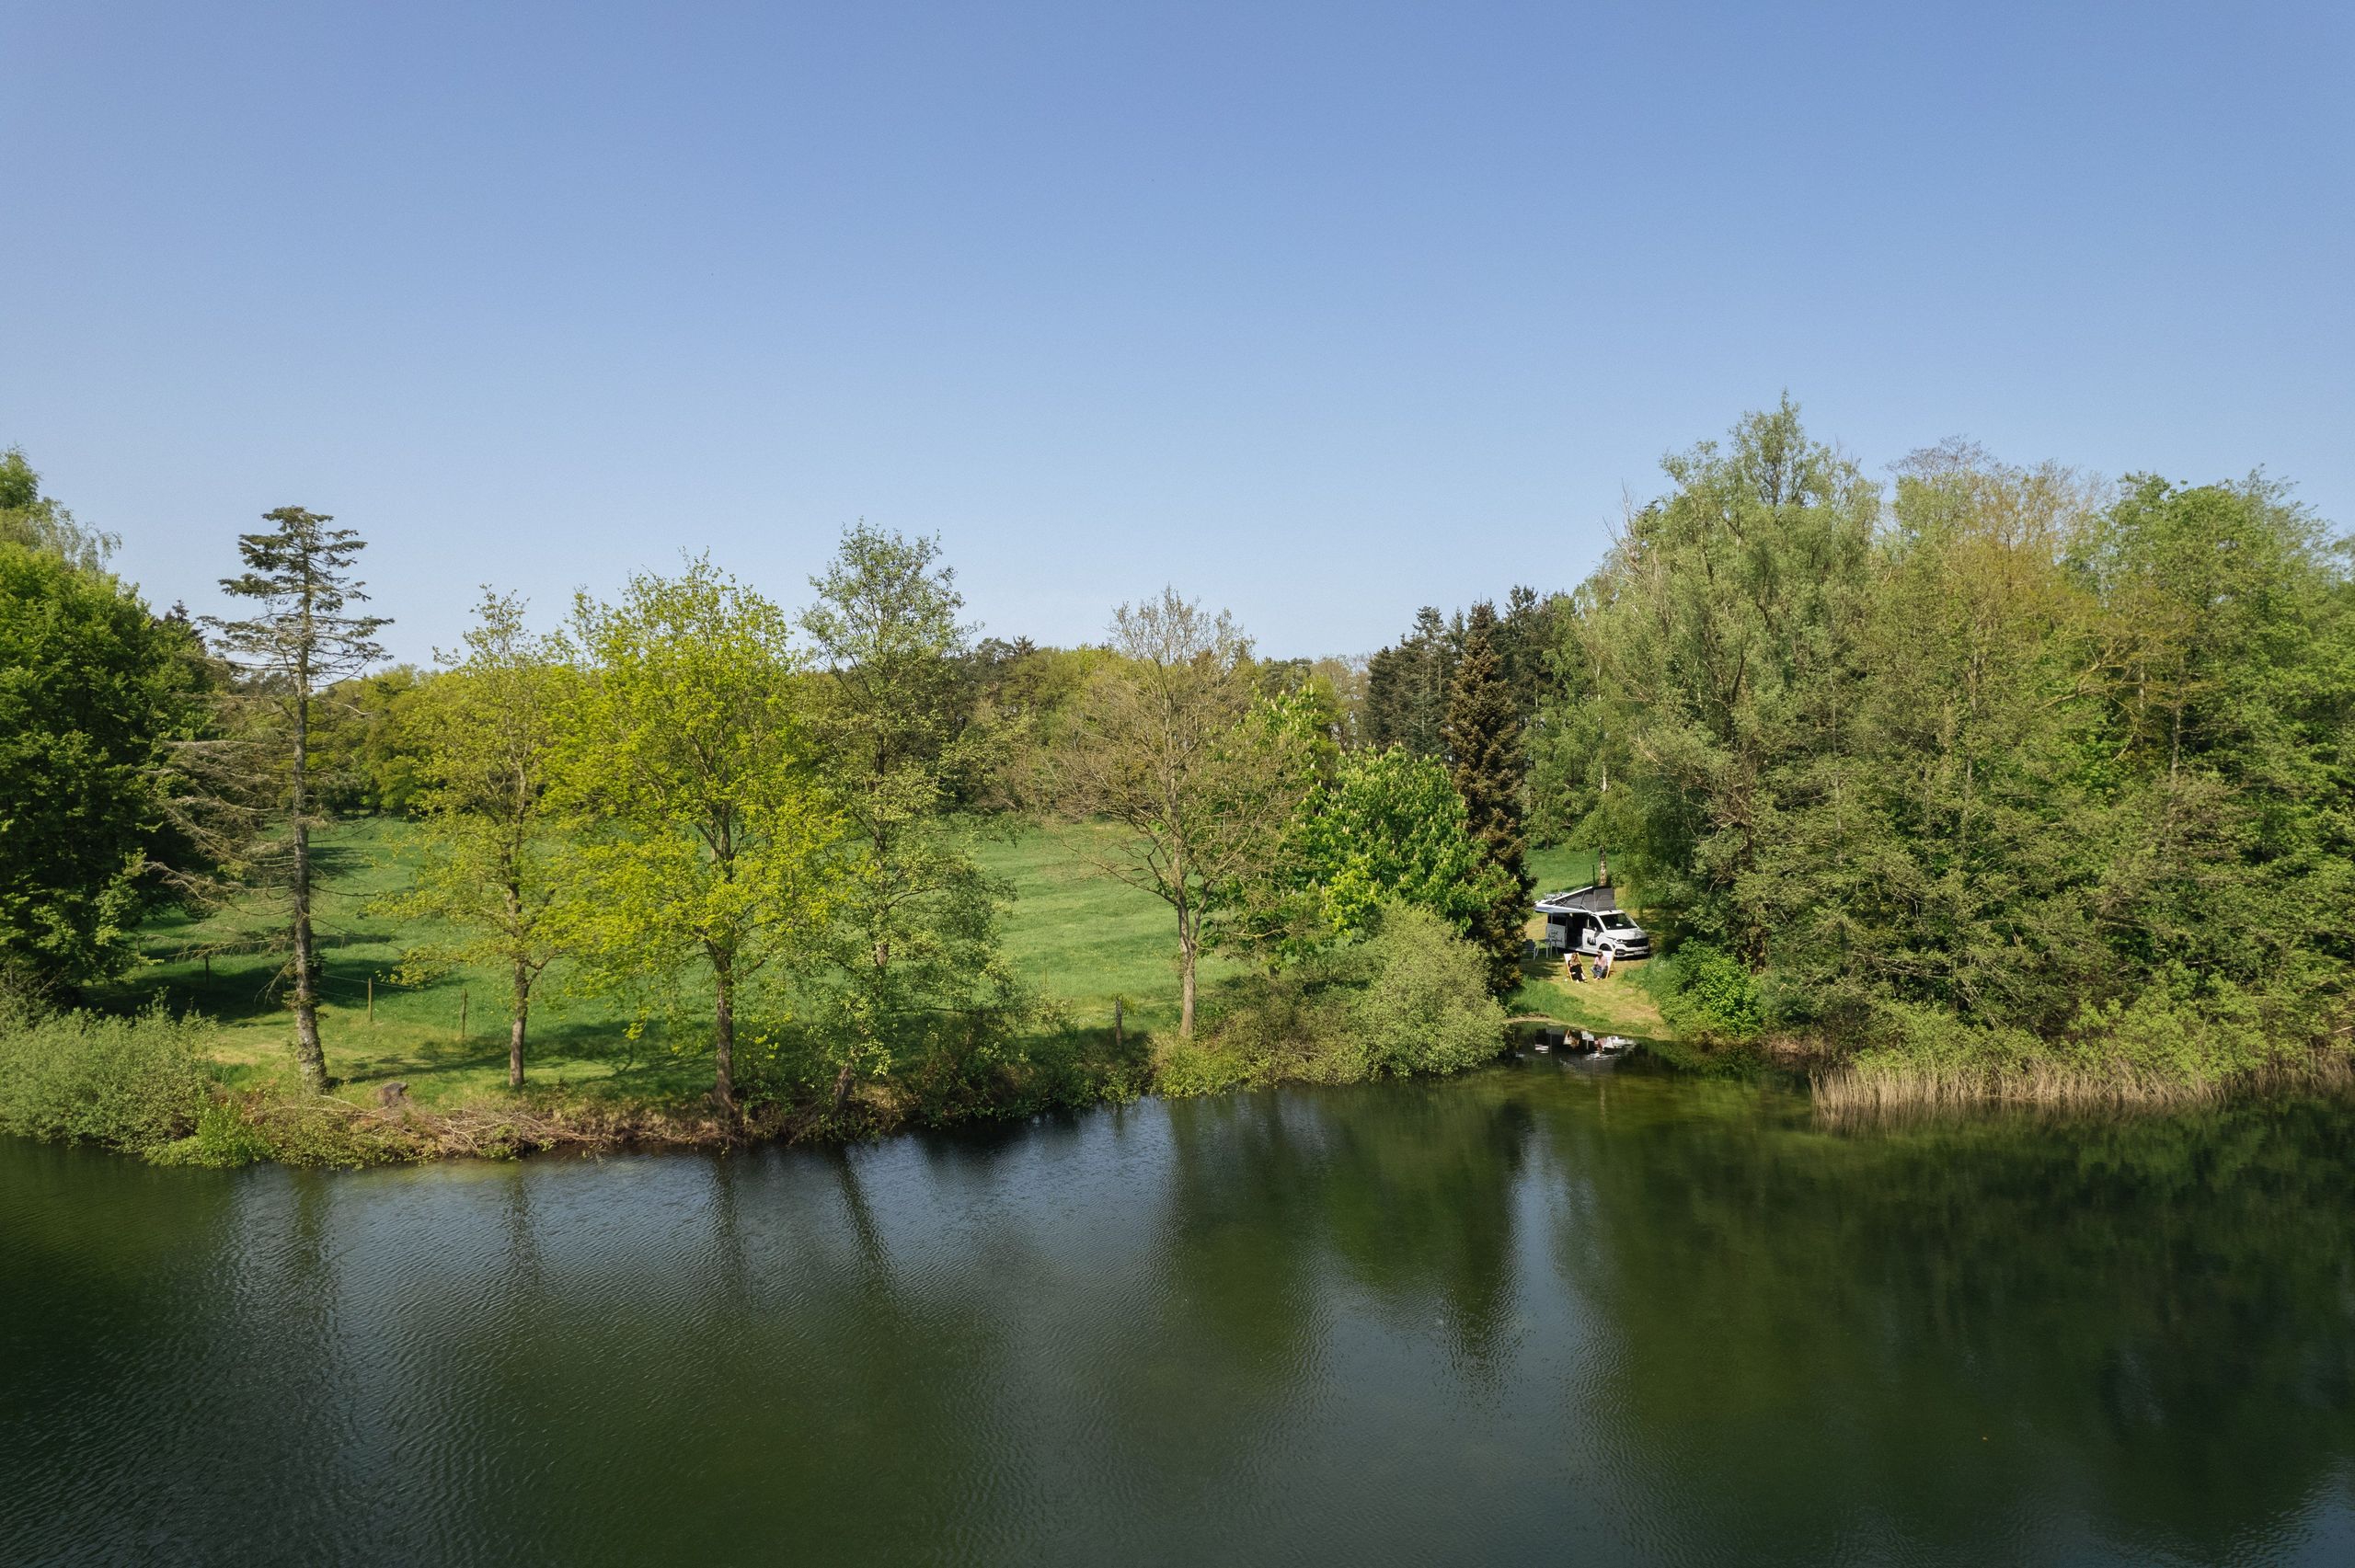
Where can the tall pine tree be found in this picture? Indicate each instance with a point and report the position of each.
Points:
(1484, 753)
(299, 642)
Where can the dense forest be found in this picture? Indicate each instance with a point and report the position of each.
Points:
(1994, 765)
(1983, 776)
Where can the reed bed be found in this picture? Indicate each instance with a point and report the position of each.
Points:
(1884, 1092)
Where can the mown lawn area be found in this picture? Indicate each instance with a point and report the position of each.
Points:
(1081, 939)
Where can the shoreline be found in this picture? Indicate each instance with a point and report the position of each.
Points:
(1849, 1096)
(252, 1127)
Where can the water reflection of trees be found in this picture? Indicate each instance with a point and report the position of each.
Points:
(1401, 1192)
(2146, 1326)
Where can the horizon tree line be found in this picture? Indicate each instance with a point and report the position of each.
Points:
(1959, 754)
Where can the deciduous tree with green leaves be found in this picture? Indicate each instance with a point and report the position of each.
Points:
(94, 692)
(687, 761)
(1163, 750)
(494, 862)
(909, 963)
(1379, 828)
(40, 522)
(2007, 766)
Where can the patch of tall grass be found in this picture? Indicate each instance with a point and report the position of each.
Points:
(2161, 1052)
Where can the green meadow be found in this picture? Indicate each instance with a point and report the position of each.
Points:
(1083, 941)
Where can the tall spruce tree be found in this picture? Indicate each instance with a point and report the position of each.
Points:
(296, 645)
(1408, 686)
(300, 641)
(1484, 753)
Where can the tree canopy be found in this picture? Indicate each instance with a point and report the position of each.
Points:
(93, 689)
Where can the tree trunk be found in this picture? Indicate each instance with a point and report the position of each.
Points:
(843, 1081)
(1185, 945)
(723, 1036)
(515, 1028)
(309, 1058)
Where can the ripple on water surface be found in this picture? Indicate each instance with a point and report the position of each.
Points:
(1538, 1312)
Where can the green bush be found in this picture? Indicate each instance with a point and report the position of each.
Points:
(133, 1084)
(1704, 990)
(1427, 1008)
(2189, 1033)
(1412, 997)
(1288, 1027)
(2181, 1030)
(223, 1139)
(1200, 1067)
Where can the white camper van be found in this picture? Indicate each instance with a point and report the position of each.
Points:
(1589, 920)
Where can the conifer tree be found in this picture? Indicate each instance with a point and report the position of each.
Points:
(1484, 753)
(301, 640)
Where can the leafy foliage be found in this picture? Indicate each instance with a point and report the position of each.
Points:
(92, 692)
(1172, 746)
(495, 861)
(1706, 991)
(1381, 827)
(368, 747)
(1996, 749)
(1410, 997)
(907, 965)
(131, 1083)
(1427, 1008)
(40, 523)
(686, 762)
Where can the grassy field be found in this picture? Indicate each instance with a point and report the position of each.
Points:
(1080, 938)
(1077, 938)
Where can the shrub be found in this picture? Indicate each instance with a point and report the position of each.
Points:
(2179, 1031)
(223, 1139)
(1704, 989)
(132, 1083)
(1412, 997)
(1427, 1008)
(1288, 1027)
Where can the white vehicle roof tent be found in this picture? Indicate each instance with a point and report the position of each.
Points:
(1589, 899)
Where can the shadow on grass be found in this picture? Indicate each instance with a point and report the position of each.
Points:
(240, 987)
(591, 1061)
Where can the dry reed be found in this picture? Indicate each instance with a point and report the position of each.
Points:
(1853, 1096)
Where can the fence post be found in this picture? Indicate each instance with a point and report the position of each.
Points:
(1120, 1041)
(462, 1014)
(371, 1001)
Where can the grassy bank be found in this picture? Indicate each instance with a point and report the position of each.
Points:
(418, 1062)
(1081, 941)
(188, 1057)
(1623, 1005)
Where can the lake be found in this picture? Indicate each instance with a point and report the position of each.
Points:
(1548, 1311)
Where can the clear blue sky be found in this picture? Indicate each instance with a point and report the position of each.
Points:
(1319, 312)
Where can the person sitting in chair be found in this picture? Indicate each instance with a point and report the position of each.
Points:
(1571, 964)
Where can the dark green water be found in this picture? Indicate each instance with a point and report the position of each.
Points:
(1534, 1315)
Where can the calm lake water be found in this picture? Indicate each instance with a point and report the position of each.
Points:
(1542, 1313)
